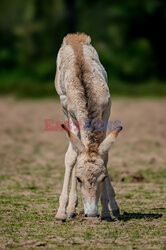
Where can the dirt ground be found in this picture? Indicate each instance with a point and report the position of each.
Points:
(32, 169)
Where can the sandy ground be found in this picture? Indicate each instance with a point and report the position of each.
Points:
(28, 153)
(143, 137)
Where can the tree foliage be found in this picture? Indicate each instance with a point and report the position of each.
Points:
(129, 35)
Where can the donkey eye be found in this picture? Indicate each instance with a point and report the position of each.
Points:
(78, 179)
(103, 179)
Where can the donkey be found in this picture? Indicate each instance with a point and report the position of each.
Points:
(81, 82)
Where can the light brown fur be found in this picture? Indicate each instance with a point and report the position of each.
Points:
(82, 73)
(81, 82)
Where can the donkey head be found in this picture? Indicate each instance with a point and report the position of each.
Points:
(91, 169)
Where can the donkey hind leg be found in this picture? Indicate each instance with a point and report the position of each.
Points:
(105, 212)
(70, 159)
(73, 198)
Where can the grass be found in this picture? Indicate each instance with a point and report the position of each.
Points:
(31, 182)
(27, 217)
(26, 85)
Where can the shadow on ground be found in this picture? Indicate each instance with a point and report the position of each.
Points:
(129, 216)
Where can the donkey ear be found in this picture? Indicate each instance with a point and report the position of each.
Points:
(76, 142)
(109, 140)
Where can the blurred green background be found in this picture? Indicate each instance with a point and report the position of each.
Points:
(128, 35)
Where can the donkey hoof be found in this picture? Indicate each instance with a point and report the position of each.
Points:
(108, 219)
(62, 220)
(71, 215)
(116, 213)
(61, 217)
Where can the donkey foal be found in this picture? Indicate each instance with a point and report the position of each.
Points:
(81, 82)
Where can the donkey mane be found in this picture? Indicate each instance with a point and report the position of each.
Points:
(77, 41)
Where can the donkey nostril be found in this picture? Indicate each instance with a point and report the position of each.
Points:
(97, 215)
(86, 215)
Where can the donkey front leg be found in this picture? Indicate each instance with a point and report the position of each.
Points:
(105, 212)
(111, 195)
(110, 191)
(70, 159)
(73, 198)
